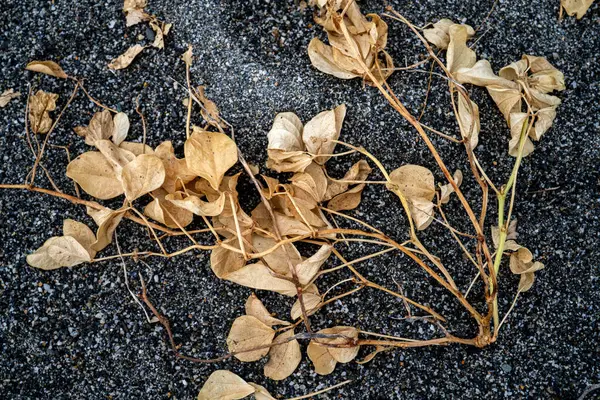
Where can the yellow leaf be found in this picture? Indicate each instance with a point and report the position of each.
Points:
(210, 155)
(283, 358)
(142, 175)
(176, 170)
(95, 175)
(224, 385)
(47, 67)
(246, 333)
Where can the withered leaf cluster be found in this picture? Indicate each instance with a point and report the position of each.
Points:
(356, 42)
(135, 14)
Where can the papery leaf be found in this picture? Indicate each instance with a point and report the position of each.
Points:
(134, 17)
(286, 133)
(142, 175)
(438, 35)
(358, 172)
(312, 180)
(136, 149)
(516, 126)
(56, 252)
(187, 57)
(447, 189)
(195, 205)
(279, 259)
(543, 121)
(308, 268)
(322, 360)
(417, 184)
(210, 155)
(224, 262)
(459, 55)
(283, 358)
(167, 212)
(7, 96)
(322, 58)
(515, 71)
(47, 67)
(311, 302)
(224, 385)
(576, 7)
(117, 157)
(80, 232)
(107, 221)
(320, 132)
(246, 333)
(101, 126)
(258, 276)
(288, 161)
(40, 105)
(121, 128)
(508, 100)
(261, 393)
(95, 175)
(257, 309)
(126, 58)
(468, 121)
(341, 354)
(348, 200)
(481, 74)
(176, 171)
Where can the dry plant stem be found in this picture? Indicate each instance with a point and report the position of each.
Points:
(309, 395)
(137, 110)
(93, 100)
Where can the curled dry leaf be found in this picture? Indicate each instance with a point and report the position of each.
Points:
(120, 128)
(308, 268)
(7, 96)
(80, 232)
(225, 385)
(311, 301)
(224, 262)
(481, 74)
(312, 181)
(187, 57)
(167, 212)
(196, 206)
(447, 189)
(576, 7)
(56, 252)
(521, 263)
(286, 133)
(321, 131)
(142, 175)
(101, 126)
(107, 221)
(348, 200)
(438, 35)
(47, 67)
(257, 309)
(284, 358)
(247, 333)
(126, 58)
(95, 175)
(258, 276)
(279, 259)
(417, 185)
(40, 105)
(358, 172)
(516, 127)
(261, 393)
(459, 55)
(468, 120)
(177, 173)
(210, 155)
(325, 358)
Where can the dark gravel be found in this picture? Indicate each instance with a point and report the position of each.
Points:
(77, 334)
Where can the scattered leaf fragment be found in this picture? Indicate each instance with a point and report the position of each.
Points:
(126, 58)
(47, 67)
(7, 96)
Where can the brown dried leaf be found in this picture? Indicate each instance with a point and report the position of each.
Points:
(126, 58)
(47, 67)
(7, 96)
(321, 358)
(101, 126)
(283, 358)
(468, 120)
(286, 133)
(312, 181)
(576, 7)
(288, 161)
(224, 262)
(459, 55)
(320, 132)
(177, 173)
(358, 172)
(521, 263)
(348, 200)
(447, 189)
(438, 35)
(311, 302)
(261, 393)
(278, 259)
(257, 309)
(308, 268)
(516, 125)
(224, 385)
(322, 58)
(187, 57)
(56, 252)
(543, 121)
(508, 100)
(142, 175)
(210, 155)
(246, 333)
(417, 184)
(134, 17)
(120, 128)
(258, 276)
(95, 175)
(107, 221)
(194, 205)
(40, 105)
(481, 74)
(167, 212)
(80, 232)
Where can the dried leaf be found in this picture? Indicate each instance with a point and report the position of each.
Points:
(261, 393)
(101, 127)
(468, 120)
(210, 155)
(224, 262)
(321, 358)
(167, 212)
(258, 276)
(320, 132)
(80, 232)
(481, 74)
(121, 128)
(417, 185)
(187, 57)
(177, 173)
(278, 259)
(308, 268)
(95, 175)
(209, 111)
(195, 205)
(312, 181)
(348, 200)
(134, 17)
(40, 105)
(126, 58)
(7, 96)
(257, 309)
(521, 263)
(322, 58)
(142, 175)
(246, 333)
(459, 55)
(283, 358)
(543, 121)
(341, 354)
(358, 172)
(224, 385)
(107, 221)
(311, 302)
(116, 156)
(447, 189)
(516, 126)
(508, 100)
(58, 252)
(576, 7)
(286, 133)
(438, 35)
(47, 67)
(159, 40)
(288, 161)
